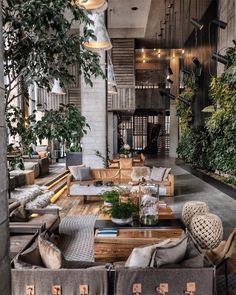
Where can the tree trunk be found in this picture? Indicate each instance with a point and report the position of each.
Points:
(5, 280)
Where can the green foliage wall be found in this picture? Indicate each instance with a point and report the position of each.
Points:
(213, 146)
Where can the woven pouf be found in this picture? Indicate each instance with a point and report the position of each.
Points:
(191, 209)
(207, 229)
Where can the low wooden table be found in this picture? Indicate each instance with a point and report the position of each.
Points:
(110, 249)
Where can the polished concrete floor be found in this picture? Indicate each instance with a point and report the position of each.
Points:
(189, 187)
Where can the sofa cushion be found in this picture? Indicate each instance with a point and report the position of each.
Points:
(32, 166)
(40, 201)
(141, 256)
(140, 172)
(76, 171)
(170, 253)
(157, 173)
(27, 193)
(50, 254)
(167, 172)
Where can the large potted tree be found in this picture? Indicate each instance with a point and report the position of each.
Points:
(65, 125)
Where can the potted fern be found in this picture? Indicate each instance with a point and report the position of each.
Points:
(122, 213)
(110, 197)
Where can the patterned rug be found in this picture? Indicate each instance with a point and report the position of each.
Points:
(77, 237)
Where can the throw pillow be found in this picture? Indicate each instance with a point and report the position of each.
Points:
(75, 171)
(171, 253)
(43, 154)
(50, 254)
(141, 256)
(31, 255)
(140, 172)
(157, 173)
(85, 173)
(166, 173)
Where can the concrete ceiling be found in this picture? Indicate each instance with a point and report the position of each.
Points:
(145, 23)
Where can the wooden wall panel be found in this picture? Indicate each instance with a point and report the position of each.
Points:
(123, 59)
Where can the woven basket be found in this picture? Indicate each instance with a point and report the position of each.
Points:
(207, 230)
(191, 209)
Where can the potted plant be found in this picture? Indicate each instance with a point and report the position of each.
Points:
(125, 151)
(110, 197)
(122, 213)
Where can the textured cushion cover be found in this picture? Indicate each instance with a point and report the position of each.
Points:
(50, 254)
(157, 173)
(85, 173)
(42, 154)
(40, 201)
(75, 171)
(170, 253)
(141, 256)
(27, 193)
(165, 176)
(140, 172)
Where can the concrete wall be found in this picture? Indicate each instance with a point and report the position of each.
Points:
(226, 13)
(93, 107)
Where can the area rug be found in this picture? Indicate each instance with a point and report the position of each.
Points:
(77, 237)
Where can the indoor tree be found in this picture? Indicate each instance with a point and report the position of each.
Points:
(40, 43)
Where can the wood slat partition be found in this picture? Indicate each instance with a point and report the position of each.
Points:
(123, 59)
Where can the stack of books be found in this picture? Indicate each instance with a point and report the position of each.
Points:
(107, 232)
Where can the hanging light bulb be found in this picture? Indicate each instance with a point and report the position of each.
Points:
(159, 54)
(90, 4)
(102, 41)
(183, 51)
(56, 88)
(142, 50)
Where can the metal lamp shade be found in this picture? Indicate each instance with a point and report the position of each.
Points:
(90, 4)
(102, 41)
(56, 88)
(112, 89)
(110, 75)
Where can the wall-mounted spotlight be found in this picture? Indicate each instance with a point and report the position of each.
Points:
(170, 5)
(169, 80)
(184, 100)
(220, 58)
(219, 23)
(196, 61)
(163, 93)
(196, 23)
(170, 72)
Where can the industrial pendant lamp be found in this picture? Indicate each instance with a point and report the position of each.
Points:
(90, 4)
(57, 89)
(102, 41)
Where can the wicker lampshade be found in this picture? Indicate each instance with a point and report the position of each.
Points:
(191, 209)
(207, 230)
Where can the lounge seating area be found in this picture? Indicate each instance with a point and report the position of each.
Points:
(118, 147)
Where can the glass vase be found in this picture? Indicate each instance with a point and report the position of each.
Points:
(149, 205)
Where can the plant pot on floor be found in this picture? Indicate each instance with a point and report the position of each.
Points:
(73, 159)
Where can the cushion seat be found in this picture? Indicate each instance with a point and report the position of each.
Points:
(51, 221)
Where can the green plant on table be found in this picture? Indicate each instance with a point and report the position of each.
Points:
(110, 196)
(17, 162)
(122, 210)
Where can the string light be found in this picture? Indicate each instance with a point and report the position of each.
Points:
(183, 51)
(159, 54)
(142, 49)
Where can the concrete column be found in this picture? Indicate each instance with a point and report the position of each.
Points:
(93, 107)
(5, 281)
(111, 134)
(174, 121)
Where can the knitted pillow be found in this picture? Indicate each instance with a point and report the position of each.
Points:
(157, 174)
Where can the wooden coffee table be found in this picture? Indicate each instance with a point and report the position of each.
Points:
(111, 249)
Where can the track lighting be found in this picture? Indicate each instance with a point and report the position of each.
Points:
(196, 23)
(219, 23)
(170, 5)
(220, 58)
